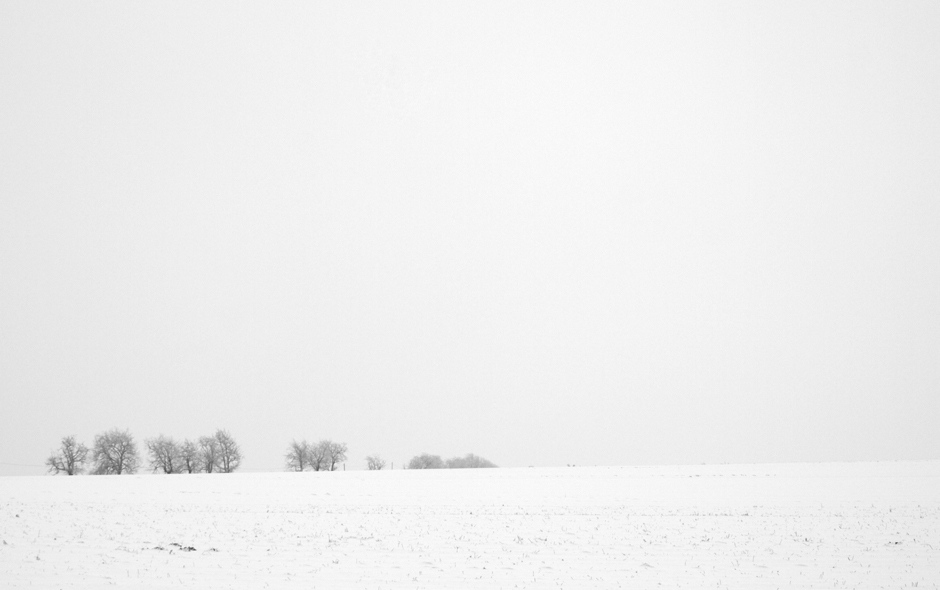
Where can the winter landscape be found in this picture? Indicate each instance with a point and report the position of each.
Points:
(835, 525)
(674, 267)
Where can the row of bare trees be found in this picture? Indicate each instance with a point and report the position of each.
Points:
(218, 453)
(115, 452)
(469, 461)
(325, 455)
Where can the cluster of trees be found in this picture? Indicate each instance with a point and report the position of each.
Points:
(218, 453)
(115, 452)
(325, 455)
(375, 463)
(427, 461)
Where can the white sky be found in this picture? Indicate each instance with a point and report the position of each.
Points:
(545, 233)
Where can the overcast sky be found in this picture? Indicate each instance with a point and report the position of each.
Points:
(546, 233)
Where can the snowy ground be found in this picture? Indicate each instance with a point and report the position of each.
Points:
(864, 525)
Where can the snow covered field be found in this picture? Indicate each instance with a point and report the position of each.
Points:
(864, 525)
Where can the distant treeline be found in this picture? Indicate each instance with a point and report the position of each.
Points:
(469, 461)
(115, 452)
(325, 455)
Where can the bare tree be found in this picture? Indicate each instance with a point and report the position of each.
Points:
(164, 454)
(115, 452)
(189, 457)
(297, 457)
(317, 457)
(208, 455)
(230, 454)
(375, 462)
(469, 461)
(335, 454)
(70, 457)
(426, 461)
